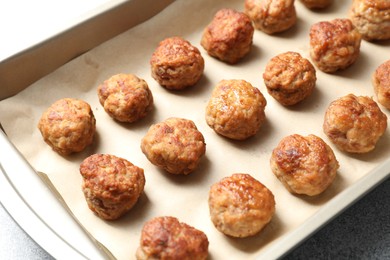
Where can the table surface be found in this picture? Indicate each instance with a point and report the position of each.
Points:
(360, 232)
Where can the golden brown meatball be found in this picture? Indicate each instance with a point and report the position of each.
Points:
(334, 45)
(289, 78)
(240, 206)
(229, 36)
(381, 83)
(371, 18)
(176, 64)
(271, 16)
(305, 165)
(111, 185)
(167, 238)
(236, 109)
(125, 97)
(317, 4)
(68, 125)
(354, 123)
(174, 145)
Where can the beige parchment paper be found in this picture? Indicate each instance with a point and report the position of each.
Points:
(185, 197)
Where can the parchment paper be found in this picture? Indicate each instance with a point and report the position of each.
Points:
(185, 197)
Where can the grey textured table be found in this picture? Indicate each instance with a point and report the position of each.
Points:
(361, 232)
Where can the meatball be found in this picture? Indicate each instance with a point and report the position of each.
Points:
(289, 78)
(111, 185)
(316, 4)
(354, 123)
(334, 45)
(174, 145)
(271, 16)
(305, 165)
(236, 109)
(371, 18)
(176, 64)
(229, 36)
(125, 97)
(381, 83)
(240, 206)
(68, 126)
(167, 238)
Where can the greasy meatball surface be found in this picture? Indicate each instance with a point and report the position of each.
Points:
(167, 238)
(68, 126)
(176, 64)
(271, 16)
(240, 205)
(304, 164)
(229, 36)
(289, 78)
(174, 145)
(236, 109)
(334, 45)
(354, 123)
(371, 18)
(316, 4)
(111, 185)
(381, 83)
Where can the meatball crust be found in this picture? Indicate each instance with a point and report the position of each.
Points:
(381, 83)
(176, 64)
(334, 45)
(289, 78)
(240, 205)
(236, 109)
(167, 238)
(68, 126)
(111, 185)
(317, 4)
(229, 36)
(371, 18)
(174, 145)
(354, 123)
(125, 97)
(304, 165)
(271, 16)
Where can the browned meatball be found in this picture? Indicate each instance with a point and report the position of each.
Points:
(236, 109)
(125, 97)
(111, 185)
(68, 125)
(381, 83)
(289, 78)
(240, 206)
(371, 18)
(229, 36)
(305, 165)
(174, 145)
(167, 238)
(176, 64)
(354, 123)
(271, 16)
(334, 45)
(317, 4)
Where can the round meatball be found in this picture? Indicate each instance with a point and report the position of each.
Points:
(176, 64)
(354, 123)
(381, 83)
(174, 145)
(125, 97)
(371, 18)
(334, 45)
(236, 109)
(271, 16)
(289, 78)
(229, 36)
(317, 4)
(240, 205)
(111, 185)
(167, 238)
(68, 126)
(305, 165)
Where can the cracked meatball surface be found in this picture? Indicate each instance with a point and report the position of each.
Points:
(381, 83)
